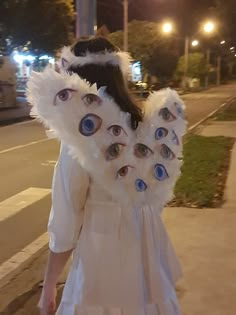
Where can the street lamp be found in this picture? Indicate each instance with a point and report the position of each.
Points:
(167, 27)
(195, 43)
(209, 27)
(222, 42)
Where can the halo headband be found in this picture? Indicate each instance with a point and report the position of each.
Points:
(121, 59)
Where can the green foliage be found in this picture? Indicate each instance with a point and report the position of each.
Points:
(206, 161)
(42, 26)
(148, 45)
(197, 66)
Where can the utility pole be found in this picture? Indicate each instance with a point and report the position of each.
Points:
(85, 17)
(208, 64)
(218, 70)
(186, 55)
(126, 8)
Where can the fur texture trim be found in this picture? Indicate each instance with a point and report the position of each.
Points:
(121, 59)
(137, 167)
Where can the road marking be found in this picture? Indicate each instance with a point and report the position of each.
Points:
(14, 264)
(23, 146)
(230, 100)
(49, 163)
(16, 203)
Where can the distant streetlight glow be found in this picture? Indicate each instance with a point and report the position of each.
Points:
(231, 48)
(222, 42)
(195, 43)
(209, 27)
(167, 27)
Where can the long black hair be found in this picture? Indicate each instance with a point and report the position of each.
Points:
(107, 75)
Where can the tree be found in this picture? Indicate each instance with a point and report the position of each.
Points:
(197, 66)
(41, 26)
(147, 44)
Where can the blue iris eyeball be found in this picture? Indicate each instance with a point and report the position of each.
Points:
(161, 133)
(174, 138)
(140, 185)
(179, 109)
(90, 124)
(160, 172)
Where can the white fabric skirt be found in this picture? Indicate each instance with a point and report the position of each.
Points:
(126, 267)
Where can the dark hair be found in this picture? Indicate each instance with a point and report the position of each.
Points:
(107, 75)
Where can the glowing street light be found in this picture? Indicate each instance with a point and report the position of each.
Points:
(232, 48)
(209, 27)
(222, 42)
(167, 27)
(195, 43)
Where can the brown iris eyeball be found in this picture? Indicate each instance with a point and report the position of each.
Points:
(123, 171)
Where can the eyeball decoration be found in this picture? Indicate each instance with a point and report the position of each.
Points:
(114, 151)
(160, 172)
(161, 133)
(116, 130)
(136, 167)
(141, 151)
(90, 124)
(64, 95)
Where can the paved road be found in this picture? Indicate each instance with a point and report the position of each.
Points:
(27, 159)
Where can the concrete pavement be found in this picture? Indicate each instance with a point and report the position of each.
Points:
(205, 242)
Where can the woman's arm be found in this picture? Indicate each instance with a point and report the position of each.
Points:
(69, 194)
(55, 266)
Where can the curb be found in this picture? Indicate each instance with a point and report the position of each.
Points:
(229, 101)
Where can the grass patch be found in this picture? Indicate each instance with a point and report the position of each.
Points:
(228, 113)
(204, 172)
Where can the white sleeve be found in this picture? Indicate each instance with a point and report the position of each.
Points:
(69, 193)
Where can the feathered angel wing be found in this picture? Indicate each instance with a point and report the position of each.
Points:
(135, 167)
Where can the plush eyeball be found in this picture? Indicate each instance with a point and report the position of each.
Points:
(161, 133)
(166, 152)
(142, 151)
(90, 124)
(64, 95)
(174, 138)
(140, 185)
(123, 171)
(116, 130)
(179, 110)
(113, 151)
(91, 98)
(160, 172)
(166, 114)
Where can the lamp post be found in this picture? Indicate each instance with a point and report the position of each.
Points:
(186, 53)
(85, 17)
(125, 7)
(208, 28)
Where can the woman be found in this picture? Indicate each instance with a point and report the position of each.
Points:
(123, 262)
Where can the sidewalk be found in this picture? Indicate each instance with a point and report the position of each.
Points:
(205, 243)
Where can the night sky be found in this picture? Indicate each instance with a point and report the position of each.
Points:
(185, 12)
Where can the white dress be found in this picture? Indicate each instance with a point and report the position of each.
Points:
(123, 262)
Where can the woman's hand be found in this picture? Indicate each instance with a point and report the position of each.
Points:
(47, 302)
